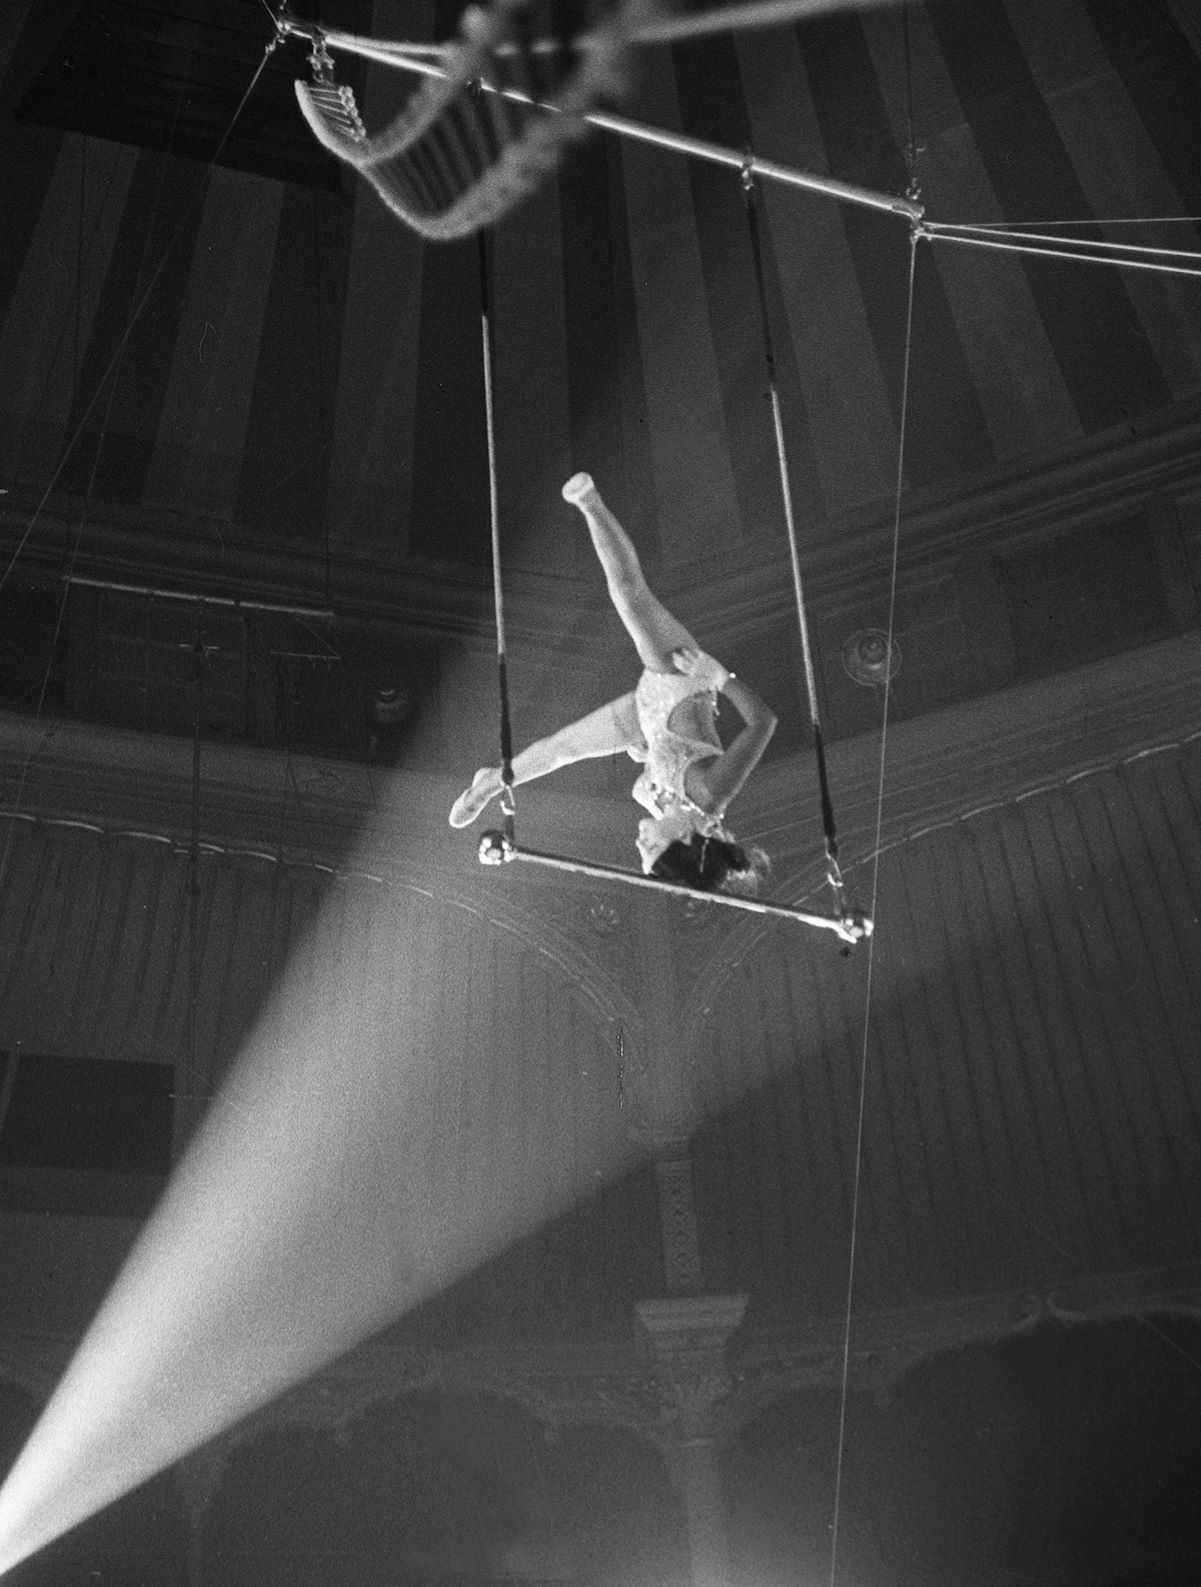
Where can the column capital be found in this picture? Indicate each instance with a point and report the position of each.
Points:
(687, 1335)
(693, 1323)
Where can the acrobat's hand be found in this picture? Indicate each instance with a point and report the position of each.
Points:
(701, 668)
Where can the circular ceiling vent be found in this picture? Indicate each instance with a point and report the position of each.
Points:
(870, 658)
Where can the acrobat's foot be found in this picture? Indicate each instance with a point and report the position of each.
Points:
(577, 487)
(485, 786)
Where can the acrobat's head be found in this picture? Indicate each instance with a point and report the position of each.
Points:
(714, 863)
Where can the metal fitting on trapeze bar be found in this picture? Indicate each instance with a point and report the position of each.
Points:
(495, 848)
(855, 926)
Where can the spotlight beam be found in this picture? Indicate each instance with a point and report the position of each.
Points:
(311, 1209)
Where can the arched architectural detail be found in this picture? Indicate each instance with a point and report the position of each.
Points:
(1058, 738)
(884, 1349)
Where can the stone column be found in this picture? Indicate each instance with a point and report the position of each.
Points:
(688, 1337)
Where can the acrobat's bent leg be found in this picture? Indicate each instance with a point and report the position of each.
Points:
(655, 632)
(607, 731)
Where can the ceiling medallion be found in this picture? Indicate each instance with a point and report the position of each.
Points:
(870, 658)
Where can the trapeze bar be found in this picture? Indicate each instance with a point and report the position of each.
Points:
(640, 132)
(192, 595)
(496, 849)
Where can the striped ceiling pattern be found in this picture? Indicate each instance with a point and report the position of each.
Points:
(222, 349)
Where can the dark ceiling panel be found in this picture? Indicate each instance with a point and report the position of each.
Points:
(173, 75)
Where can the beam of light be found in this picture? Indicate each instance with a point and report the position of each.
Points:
(310, 1209)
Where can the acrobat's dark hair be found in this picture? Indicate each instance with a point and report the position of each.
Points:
(714, 865)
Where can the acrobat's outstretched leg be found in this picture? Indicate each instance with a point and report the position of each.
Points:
(607, 731)
(655, 632)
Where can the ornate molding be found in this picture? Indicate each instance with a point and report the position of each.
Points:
(884, 1347)
(688, 1336)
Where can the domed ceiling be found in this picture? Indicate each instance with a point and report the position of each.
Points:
(228, 372)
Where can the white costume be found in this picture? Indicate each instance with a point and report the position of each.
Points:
(667, 754)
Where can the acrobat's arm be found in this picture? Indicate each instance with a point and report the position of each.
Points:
(712, 784)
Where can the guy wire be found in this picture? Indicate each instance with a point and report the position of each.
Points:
(871, 951)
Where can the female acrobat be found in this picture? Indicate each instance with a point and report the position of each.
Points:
(668, 723)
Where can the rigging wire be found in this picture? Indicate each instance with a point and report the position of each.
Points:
(1125, 220)
(871, 954)
(1125, 255)
(1101, 245)
(75, 540)
(911, 150)
(318, 341)
(1115, 1294)
(108, 379)
(750, 194)
(199, 659)
(507, 798)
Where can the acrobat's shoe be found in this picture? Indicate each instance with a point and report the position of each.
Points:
(577, 487)
(485, 786)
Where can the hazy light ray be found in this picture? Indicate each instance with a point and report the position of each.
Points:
(299, 1221)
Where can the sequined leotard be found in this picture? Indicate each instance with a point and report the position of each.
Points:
(667, 754)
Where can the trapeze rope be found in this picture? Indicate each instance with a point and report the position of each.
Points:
(871, 955)
(1121, 220)
(750, 193)
(507, 798)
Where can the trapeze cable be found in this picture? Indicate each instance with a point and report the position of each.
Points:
(1098, 244)
(123, 341)
(871, 956)
(495, 849)
(750, 194)
(1122, 220)
(1066, 250)
(508, 805)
